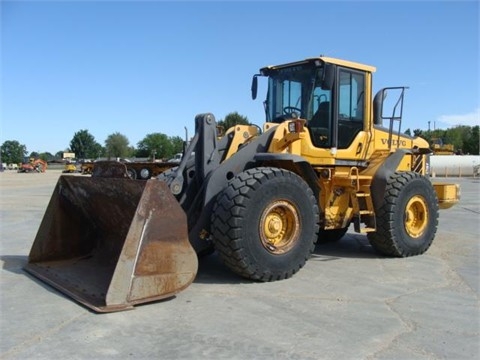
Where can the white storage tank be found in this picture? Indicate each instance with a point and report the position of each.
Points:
(454, 165)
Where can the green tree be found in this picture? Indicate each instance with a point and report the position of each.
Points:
(417, 132)
(433, 135)
(46, 156)
(457, 136)
(13, 152)
(84, 146)
(117, 145)
(408, 132)
(232, 119)
(97, 150)
(471, 142)
(177, 145)
(465, 139)
(155, 142)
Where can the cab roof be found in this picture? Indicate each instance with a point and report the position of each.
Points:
(324, 59)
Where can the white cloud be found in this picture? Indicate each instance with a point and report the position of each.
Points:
(469, 119)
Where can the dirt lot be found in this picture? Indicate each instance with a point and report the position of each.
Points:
(346, 303)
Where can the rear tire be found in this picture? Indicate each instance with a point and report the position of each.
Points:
(265, 224)
(408, 218)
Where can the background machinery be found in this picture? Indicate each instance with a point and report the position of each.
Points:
(440, 148)
(32, 165)
(140, 170)
(70, 163)
(260, 197)
(70, 167)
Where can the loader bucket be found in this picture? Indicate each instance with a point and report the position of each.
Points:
(111, 243)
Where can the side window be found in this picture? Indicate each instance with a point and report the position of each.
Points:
(291, 101)
(320, 96)
(285, 96)
(351, 101)
(320, 123)
(292, 94)
(351, 96)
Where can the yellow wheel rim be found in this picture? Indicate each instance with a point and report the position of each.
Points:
(279, 227)
(416, 216)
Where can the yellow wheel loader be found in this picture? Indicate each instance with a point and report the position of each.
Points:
(70, 167)
(329, 155)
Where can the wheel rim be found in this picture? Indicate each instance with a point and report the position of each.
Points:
(144, 173)
(279, 227)
(416, 216)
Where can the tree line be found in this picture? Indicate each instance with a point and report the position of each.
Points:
(465, 140)
(83, 144)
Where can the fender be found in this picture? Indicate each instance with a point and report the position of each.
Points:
(302, 167)
(385, 171)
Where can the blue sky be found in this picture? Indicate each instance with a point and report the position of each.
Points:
(144, 67)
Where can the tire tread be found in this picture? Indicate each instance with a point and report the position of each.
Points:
(228, 217)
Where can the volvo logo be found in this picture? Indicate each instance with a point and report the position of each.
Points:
(395, 142)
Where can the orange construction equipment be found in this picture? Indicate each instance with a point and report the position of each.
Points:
(33, 165)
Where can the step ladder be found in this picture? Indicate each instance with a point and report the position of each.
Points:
(362, 202)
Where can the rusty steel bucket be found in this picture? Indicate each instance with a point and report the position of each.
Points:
(111, 243)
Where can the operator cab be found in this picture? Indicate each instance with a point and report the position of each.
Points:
(328, 93)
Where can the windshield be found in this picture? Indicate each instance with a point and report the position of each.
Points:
(295, 92)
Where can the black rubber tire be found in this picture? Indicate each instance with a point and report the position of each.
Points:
(132, 174)
(237, 216)
(392, 236)
(328, 236)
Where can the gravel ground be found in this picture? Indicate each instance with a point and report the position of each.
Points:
(346, 303)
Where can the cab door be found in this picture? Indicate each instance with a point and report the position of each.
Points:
(337, 127)
(349, 114)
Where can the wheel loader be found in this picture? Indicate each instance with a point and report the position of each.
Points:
(329, 155)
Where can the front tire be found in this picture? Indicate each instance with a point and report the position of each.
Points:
(265, 224)
(408, 218)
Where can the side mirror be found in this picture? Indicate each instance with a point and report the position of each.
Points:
(254, 87)
(328, 77)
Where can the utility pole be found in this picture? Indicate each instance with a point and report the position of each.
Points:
(429, 125)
